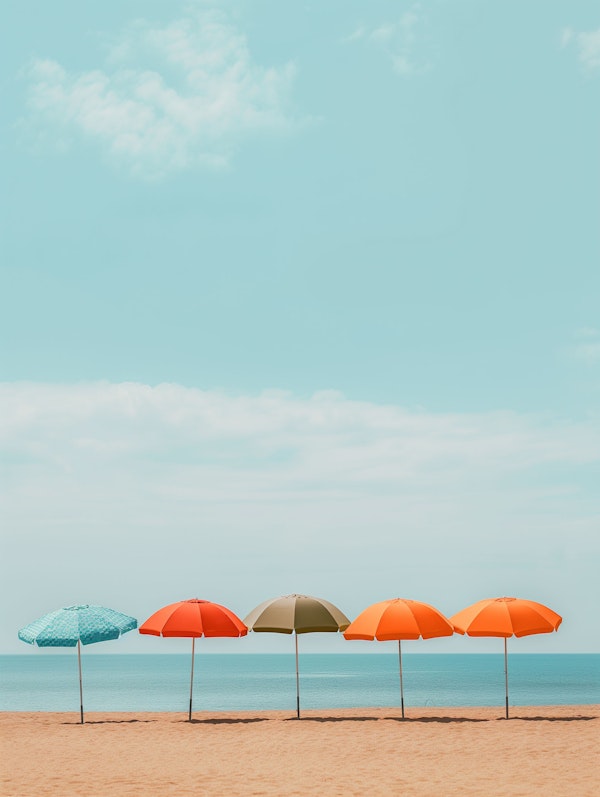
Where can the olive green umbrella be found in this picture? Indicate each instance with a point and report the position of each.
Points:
(296, 614)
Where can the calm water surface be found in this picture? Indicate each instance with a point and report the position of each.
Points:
(39, 681)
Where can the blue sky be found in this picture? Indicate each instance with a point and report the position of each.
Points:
(301, 297)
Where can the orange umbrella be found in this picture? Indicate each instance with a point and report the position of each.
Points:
(399, 619)
(504, 617)
(194, 618)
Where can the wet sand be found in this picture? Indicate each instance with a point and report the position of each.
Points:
(550, 750)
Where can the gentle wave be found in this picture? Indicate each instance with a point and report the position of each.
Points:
(236, 682)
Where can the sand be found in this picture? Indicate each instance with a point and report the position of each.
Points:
(460, 751)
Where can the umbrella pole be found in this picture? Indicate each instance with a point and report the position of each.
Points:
(80, 681)
(192, 678)
(297, 682)
(506, 675)
(401, 678)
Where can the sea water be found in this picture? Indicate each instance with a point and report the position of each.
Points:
(40, 681)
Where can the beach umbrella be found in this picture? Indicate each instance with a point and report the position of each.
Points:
(506, 617)
(296, 614)
(77, 626)
(194, 618)
(398, 619)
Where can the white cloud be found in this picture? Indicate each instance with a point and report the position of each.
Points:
(399, 40)
(587, 345)
(326, 440)
(132, 441)
(587, 45)
(135, 495)
(168, 98)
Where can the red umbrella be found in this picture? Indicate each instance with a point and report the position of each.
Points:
(194, 618)
(504, 617)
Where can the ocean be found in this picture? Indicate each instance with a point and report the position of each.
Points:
(252, 682)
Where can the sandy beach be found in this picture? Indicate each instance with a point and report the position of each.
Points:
(460, 751)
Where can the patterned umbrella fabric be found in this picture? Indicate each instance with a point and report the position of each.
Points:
(64, 628)
(75, 626)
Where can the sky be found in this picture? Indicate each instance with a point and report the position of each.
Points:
(300, 297)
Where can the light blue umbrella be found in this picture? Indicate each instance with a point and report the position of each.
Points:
(77, 625)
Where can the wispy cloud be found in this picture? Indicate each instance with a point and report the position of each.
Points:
(167, 98)
(401, 40)
(121, 491)
(587, 45)
(211, 446)
(587, 345)
(57, 422)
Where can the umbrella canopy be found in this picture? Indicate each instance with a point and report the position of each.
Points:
(300, 614)
(64, 628)
(75, 626)
(194, 618)
(399, 618)
(296, 614)
(506, 617)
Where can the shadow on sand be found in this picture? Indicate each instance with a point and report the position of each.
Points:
(103, 722)
(225, 721)
(579, 718)
(438, 719)
(249, 720)
(332, 719)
